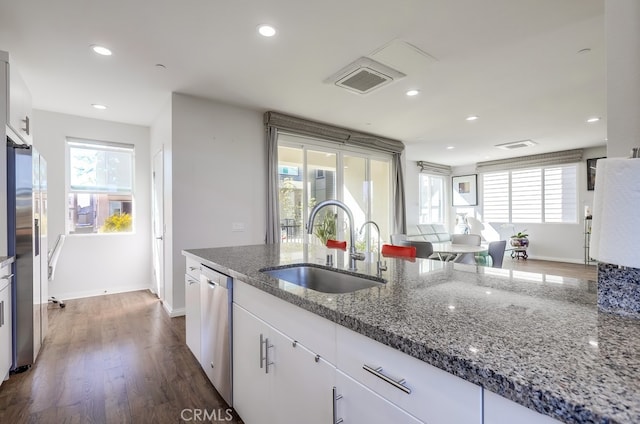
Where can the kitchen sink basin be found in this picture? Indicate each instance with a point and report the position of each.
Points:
(323, 279)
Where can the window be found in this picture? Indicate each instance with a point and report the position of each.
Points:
(432, 200)
(531, 195)
(100, 192)
(311, 171)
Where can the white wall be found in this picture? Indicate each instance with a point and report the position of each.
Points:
(219, 173)
(95, 264)
(554, 242)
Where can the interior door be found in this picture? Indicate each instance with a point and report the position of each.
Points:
(158, 222)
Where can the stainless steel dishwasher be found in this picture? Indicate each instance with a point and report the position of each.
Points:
(215, 297)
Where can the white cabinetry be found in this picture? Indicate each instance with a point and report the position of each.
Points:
(192, 307)
(5, 322)
(287, 362)
(424, 391)
(276, 379)
(19, 112)
(499, 410)
(359, 405)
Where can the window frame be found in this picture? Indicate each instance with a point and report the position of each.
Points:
(105, 146)
(444, 207)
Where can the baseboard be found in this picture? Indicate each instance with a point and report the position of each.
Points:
(173, 312)
(92, 293)
(556, 259)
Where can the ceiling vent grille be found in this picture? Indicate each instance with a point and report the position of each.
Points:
(364, 75)
(516, 144)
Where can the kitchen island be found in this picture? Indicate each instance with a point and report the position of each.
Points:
(538, 340)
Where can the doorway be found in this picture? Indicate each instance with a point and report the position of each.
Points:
(158, 222)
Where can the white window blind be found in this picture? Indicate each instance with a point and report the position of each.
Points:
(531, 195)
(526, 191)
(496, 196)
(100, 167)
(560, 194)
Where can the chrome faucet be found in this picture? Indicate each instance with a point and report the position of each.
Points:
(380, 265)
(353, 254)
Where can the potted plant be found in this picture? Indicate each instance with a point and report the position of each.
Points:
(520, 239)
(326, 229)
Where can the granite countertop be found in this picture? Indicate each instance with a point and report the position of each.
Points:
(536, 339)
(6, 260)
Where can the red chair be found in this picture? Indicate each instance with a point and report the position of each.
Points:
(399, 251)
(336, 244)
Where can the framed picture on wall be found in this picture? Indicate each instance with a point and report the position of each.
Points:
(591, 173)
(464, 190)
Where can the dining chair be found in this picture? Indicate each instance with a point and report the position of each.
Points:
(472, 239)
(401, 251)
(496, 251)
(424, 249)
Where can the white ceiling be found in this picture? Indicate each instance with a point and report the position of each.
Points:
(514, 63)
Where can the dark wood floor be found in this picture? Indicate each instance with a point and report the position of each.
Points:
(111, 359)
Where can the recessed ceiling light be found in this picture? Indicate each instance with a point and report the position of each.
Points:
(472, 118)
(450, 147)
(99, 106)
(266, 30)
(103, 51)
(451, 307)
(592, 120)
(412, 93)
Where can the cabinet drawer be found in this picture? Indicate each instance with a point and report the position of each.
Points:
(435, 395)
(193, 268)
(314, 332)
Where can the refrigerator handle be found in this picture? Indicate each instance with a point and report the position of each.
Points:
(37, 236)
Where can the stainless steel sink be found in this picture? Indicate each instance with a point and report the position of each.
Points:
(323, 279)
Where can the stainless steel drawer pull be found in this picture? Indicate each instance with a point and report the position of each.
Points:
(261, 350)
(399, 384)
(193, 268)
(192, 281)
(1, 313)
(264, 353)
(336, 398)
(6, 277)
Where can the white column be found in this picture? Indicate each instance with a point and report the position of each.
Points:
(622, 29)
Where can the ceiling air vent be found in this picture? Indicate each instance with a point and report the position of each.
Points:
(516, 144)
(364, 75)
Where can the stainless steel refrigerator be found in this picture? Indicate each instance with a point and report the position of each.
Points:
(27, 242)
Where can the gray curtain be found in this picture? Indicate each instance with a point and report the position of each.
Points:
(273, 212)
(532, 161)
(400, 207)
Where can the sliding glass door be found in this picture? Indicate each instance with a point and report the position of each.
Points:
(311, 171)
